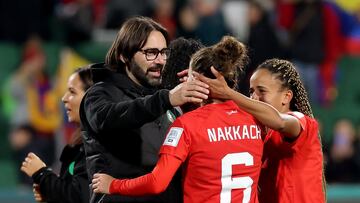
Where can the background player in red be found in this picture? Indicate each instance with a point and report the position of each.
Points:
(293, 161)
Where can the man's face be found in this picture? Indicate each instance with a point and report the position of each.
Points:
(146, 72)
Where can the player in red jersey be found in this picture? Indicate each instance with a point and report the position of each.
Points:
(219, 144)
(292, 170)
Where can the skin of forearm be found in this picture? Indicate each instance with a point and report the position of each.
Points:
(263, 112)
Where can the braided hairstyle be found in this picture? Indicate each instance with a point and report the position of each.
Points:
(228, 57)
(181, 51)
(290, 79)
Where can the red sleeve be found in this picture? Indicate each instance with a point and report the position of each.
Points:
(178, 141)
(151, 183)
(297, 144)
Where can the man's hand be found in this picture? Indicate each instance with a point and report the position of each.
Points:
(191, 91)
(218, 87)
(31, 164)
(101, 183)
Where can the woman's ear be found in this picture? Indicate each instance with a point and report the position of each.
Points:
(287, 97)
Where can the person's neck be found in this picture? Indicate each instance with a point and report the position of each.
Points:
(212, 101)
(284, 109)
(132, 77)
(217, 101)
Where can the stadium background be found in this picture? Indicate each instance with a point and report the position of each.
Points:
(64, 53)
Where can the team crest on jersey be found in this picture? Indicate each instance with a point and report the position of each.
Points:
(173, 136)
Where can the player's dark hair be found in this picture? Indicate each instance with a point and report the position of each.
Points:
(181, 51)
(131, 37)
(85, 77)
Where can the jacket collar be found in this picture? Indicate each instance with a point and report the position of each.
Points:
(102, 74)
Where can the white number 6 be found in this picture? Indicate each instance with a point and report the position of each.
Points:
(229, 183)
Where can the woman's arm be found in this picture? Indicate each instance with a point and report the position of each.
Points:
(53, 188)
(151, 183)
(263, 112)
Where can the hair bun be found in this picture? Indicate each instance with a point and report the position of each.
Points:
(231, 53)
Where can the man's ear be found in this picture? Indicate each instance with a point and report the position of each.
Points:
(288, 97)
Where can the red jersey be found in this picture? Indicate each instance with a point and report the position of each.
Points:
(292, 171)
(221, 147)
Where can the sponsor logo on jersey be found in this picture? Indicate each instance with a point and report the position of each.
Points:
(173, 136)
(231, 112)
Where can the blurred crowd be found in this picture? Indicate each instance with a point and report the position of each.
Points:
(313, 34)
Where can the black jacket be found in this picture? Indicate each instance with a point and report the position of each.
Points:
(72, 185)
(123, 129)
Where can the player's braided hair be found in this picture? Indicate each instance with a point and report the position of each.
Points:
(181, 51)
(285, 72)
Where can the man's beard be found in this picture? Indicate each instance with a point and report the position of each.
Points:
(144, 78)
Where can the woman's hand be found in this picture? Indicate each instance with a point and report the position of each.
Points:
(31, 164)
(218, 87)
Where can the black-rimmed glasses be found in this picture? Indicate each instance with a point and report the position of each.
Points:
(152, 54)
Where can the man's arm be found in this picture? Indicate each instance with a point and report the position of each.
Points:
(103, 112)
(152, 183)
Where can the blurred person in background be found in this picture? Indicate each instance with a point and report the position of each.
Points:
(303, 21)
(314, 45)
(263, 42)
(77, 18)
(35, 101)
(22, 142)
(164, 13)
(342, 166)
(187, 21)
(72, 184)
(205, 20)
(117, 12)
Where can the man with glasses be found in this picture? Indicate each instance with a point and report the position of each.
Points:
(121, 115)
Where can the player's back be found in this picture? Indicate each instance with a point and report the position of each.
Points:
(224, 159)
